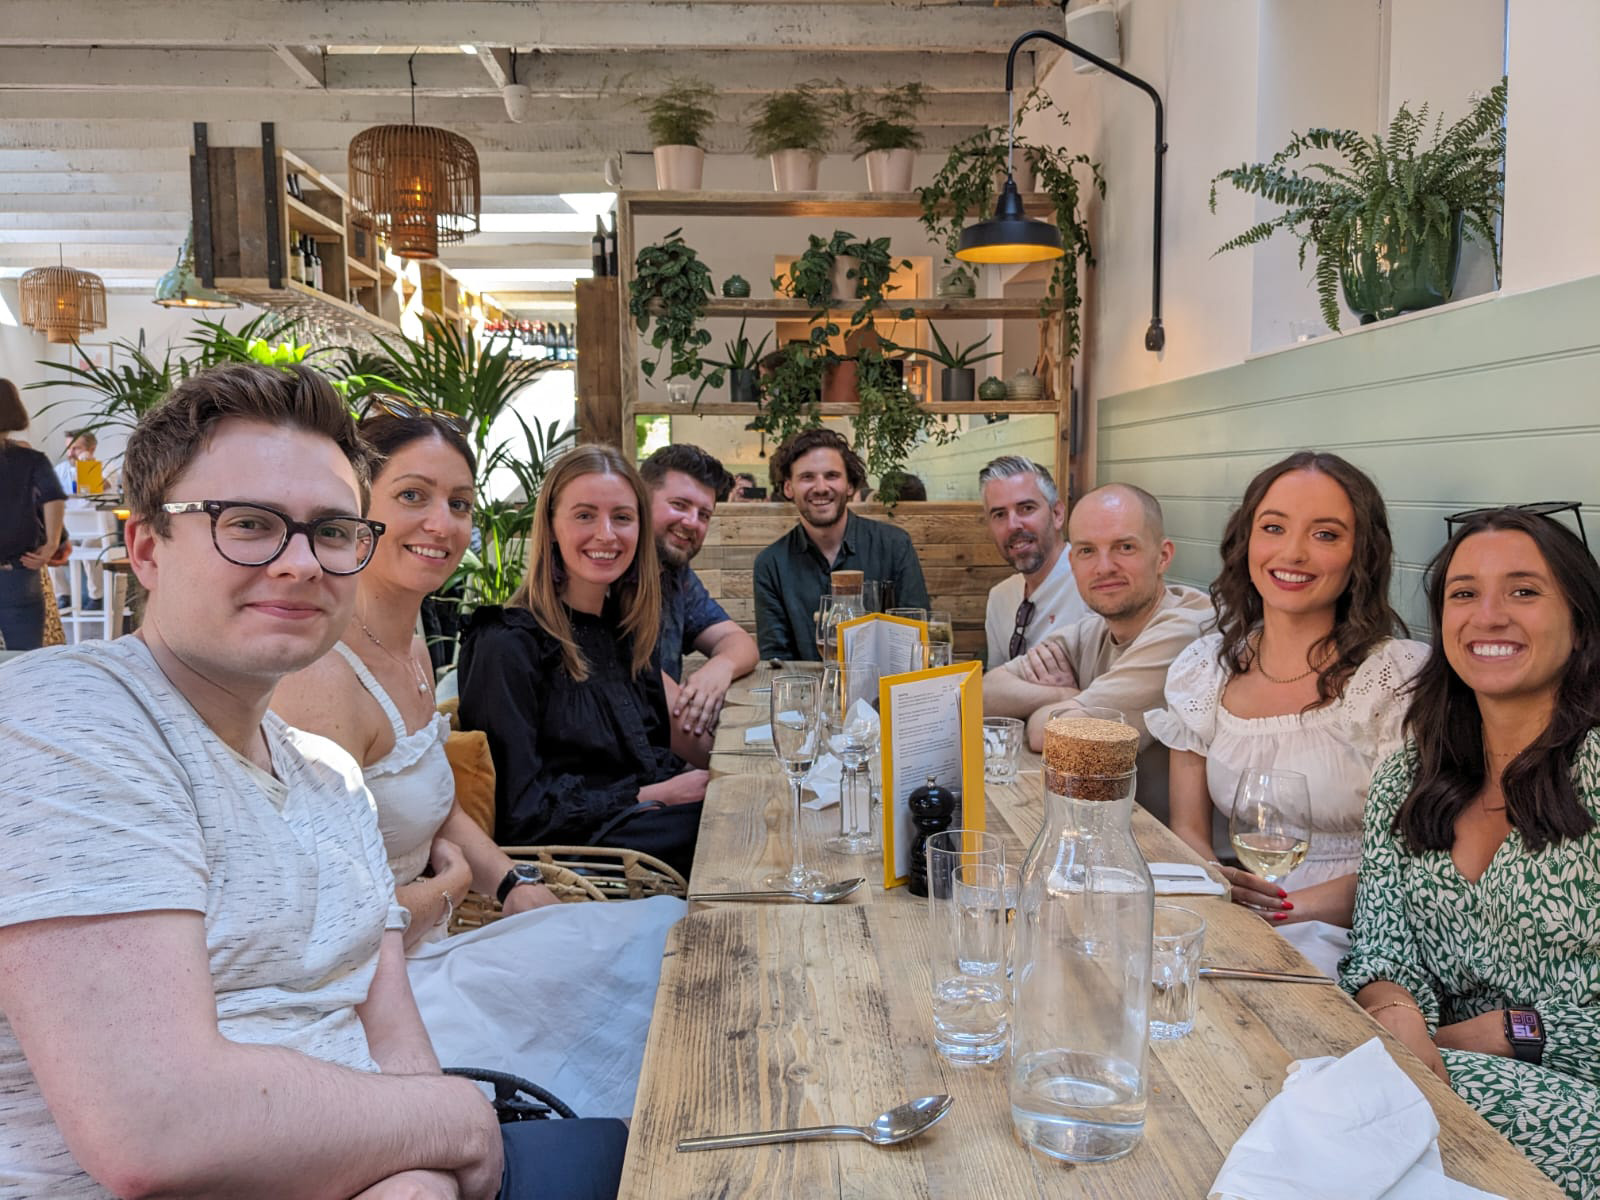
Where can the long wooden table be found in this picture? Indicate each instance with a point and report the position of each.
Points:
(772, 1016)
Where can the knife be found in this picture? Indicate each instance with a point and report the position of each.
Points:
(1260, 976)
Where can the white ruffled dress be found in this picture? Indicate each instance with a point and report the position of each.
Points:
(1337, 748)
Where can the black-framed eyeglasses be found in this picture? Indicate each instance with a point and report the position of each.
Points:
(1539, 508)
(410, 410)
(253, 535)
(1019, 641)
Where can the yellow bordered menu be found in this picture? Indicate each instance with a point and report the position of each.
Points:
(881, 639)
(932, 725)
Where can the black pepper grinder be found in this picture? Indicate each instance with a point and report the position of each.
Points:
(932, 809)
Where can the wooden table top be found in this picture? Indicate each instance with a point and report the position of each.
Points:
(772, 1016)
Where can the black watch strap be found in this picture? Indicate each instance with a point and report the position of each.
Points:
(520, 873)
(1525, 1031)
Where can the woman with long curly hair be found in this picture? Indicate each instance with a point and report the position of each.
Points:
(1303, 673)
(1477, 921)
(565, 678)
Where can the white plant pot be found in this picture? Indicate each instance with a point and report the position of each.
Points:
(1022, 174)
(890, 170)
(844, 288)
(679, 168)
(795, 170)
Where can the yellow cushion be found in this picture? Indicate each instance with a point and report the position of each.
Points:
(474, 771)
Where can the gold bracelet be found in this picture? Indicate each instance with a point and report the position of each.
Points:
(1373, 1012)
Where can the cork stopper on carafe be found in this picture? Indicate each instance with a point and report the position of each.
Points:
(847, 581)
(1089, 758)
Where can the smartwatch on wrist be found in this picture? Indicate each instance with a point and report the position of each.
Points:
(520, 873)
(1525, 1032)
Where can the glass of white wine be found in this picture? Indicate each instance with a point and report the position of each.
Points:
(1271, 822)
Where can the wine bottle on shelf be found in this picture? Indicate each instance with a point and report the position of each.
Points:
(295, 268)
(611, 247)
(597, 249)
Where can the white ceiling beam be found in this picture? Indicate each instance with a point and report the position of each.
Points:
(305, 63)
(134, 258)
(118, 204)
(496, 61)
(593, 73)
(48, 183)
(47, 224)
(544, 24)
(30, 159)
(89, 237)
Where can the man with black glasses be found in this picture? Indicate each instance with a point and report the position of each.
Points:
(1026, 518)
(202, 982)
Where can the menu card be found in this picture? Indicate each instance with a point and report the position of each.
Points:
(932, 725)
(881, 639)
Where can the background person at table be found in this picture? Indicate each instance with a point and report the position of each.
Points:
(1303, 674)
(1480, 866)
(500, 998)
(564, 679)
(819, 472)
(1117, 657)
(80, 445)
(31, 506)
(744, 487)
(685, 484)
(1027, 521)
(201, 972)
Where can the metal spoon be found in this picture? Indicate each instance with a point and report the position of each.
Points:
(826, 894)
(886, 1129)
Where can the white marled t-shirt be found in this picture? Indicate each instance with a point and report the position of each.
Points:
(1057, 604)
(116, 797)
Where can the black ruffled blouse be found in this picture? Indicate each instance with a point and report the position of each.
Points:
(568, 756)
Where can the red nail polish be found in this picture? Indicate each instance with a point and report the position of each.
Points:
(1278, 916)
(1282, 895)
(1287, 906)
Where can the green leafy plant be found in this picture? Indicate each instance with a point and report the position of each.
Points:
(884, 120)
(890, 424)
(792, 393)
(680, 114)
(798, 119)
(742, 355)
(954, 358)
(811, 278)
(672, 286)
(1388, 188)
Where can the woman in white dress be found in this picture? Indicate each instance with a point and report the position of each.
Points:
(1303, 674)
(560, 994)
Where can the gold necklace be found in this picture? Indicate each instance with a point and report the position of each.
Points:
(1260, 665)
(416, 671)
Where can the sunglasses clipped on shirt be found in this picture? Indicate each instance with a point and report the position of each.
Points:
(1539, 508)
(1019, 641)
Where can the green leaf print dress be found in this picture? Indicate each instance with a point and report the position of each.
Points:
(1526, 933)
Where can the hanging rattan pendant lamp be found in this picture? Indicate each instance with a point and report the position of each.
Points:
(421, 184)
(62, 302)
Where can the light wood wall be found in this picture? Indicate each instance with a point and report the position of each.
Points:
(1494, 402)
(959, 561)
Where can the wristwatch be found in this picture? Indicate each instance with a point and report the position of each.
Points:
(1525, 1032)
(520, 873)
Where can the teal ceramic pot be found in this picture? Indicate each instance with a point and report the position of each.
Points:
(992, 388)
(1412, 274)
(736, 287)
(958, 284)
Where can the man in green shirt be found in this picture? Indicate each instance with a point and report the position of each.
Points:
(819, 472)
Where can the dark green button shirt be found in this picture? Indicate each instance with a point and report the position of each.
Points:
(791, 575)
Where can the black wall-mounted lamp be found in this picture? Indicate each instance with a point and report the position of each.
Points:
(1011, 236)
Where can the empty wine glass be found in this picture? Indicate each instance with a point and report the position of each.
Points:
(826, 628)
(849, 694)
(796, 731)
(1270, 826)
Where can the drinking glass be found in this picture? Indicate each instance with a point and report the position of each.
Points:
(910, 614)
(971, 1009)
(941, 630)
(849, 693)
(1270, 826)
(959, 848)
(1013, 888)
(872, 595)
(795, 733)
(826, 625)
(1002, 739)
(1179, 941)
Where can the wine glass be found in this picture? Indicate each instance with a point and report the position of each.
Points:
(796, 731)
(852, 736)
(1270, 826)
(940, 628)
(826, 627)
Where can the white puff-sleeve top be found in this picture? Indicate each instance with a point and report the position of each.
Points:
(1336, 747)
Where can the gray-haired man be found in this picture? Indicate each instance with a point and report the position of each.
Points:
(1026, 518)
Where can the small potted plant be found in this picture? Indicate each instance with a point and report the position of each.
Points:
(742, 366)
(883, 131)
(841, 269)
(679, 116)
(1388, 222)
(671, 286)
(792, 128)
(957, 381)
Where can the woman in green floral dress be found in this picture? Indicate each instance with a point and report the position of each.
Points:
(1477, 922)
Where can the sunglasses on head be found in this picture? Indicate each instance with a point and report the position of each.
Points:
(1539, 508)
(410, 410)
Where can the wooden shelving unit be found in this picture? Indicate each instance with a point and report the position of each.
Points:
(723, 408)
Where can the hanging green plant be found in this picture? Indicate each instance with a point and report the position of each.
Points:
(890, 424)
(812, 278)
(1388, 198)
(791, 393)
(671, 286)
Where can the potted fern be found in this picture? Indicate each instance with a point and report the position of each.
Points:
(883, 131)
(1388, 221)
(679, 116)
(957, 379)
(792, 129)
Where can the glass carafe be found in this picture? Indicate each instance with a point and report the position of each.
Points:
(1081, 985)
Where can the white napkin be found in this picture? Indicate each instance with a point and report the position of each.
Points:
(1350, 1128)
(758, 735)
(1191, 881)
(823, 778)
